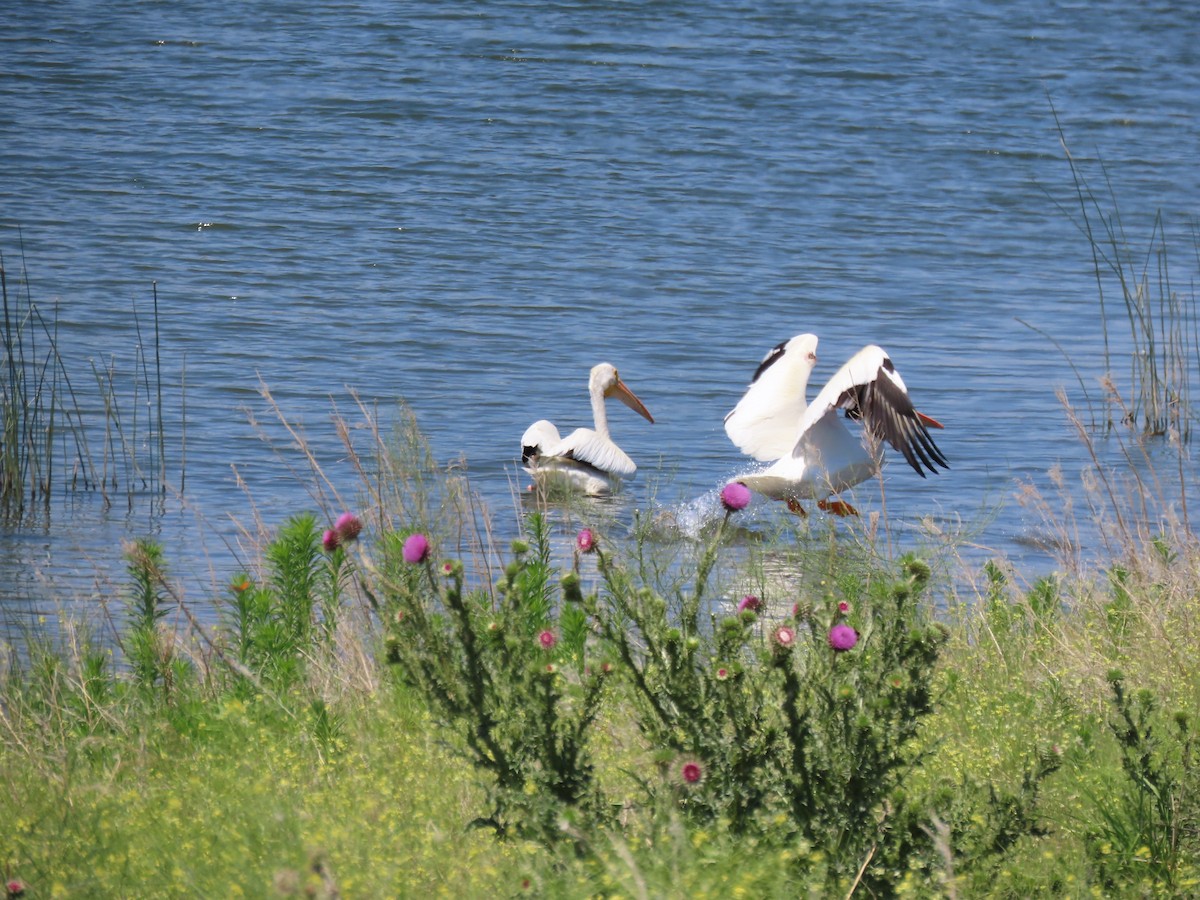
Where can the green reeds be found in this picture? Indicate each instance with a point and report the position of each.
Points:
(38, 405)
(1162, 319)
(48, 439)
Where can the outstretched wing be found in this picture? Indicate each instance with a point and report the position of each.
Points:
(868, 388)
(765, 421)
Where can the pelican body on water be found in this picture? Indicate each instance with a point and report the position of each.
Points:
(587, 459)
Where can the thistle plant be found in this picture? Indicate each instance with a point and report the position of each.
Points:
(698, 700)
(509, 670)
(801, 726)
(853, 706)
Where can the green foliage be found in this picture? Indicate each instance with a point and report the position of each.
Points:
(1119, 610)
(1148, 828)
(296, 565)
(1044, 600)
(999, 613)
(274, 625)
(148, 648)
(985, 821)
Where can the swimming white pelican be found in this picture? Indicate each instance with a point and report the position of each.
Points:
(585, 460)
(813, 454)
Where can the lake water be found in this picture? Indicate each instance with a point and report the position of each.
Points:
(468, 205)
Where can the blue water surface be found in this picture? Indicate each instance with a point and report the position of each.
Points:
(465, 206)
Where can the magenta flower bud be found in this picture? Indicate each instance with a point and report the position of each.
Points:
(691, 772)
(751, 603)
(416, 548)
(547, 639)
(784, 637)
(329, 540)
(735, 496)
(348, 526)
(586, 541)
(842, 637)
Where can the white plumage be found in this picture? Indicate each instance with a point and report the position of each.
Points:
(813, 454)
(587, 459)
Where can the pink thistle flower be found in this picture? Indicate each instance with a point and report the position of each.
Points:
(842, 638)
(843, 606)
(348, 526)
(329, 540)
(691, 772)
(722, 674)
(750, 602)
(416, 548)
(15, 887)
(784, 637)
(585, 541)
(547, 639)
(447, 569)
(735, 496)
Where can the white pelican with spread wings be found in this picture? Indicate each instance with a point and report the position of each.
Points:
(813, 454)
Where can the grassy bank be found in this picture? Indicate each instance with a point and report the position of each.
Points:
(392, 706)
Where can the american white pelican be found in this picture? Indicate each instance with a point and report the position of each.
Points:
(585, 460)
(813, 454)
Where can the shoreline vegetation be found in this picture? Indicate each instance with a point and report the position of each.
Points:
(392, 704)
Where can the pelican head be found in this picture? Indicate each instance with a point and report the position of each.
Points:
(798, 357)
(604, 382)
